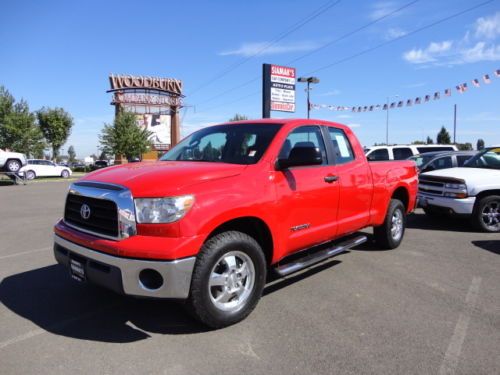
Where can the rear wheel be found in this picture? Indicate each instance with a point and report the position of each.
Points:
(65, 174)
(13, 165)
(30, 175)
(228, 279)
(390, 234)
(486, 215)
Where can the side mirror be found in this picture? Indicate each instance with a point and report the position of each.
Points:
(300, 156)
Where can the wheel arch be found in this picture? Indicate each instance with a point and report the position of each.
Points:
(401, 193)
(255, 227)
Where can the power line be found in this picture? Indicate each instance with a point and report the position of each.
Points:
(401, 37)
(281, 36)
(442, 20)
(350, 33)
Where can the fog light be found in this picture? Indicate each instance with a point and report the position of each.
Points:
(150, 279)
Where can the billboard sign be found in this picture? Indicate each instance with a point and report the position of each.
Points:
(278, 89)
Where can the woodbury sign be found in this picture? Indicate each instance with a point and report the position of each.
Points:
(278, 89)
(171, 85)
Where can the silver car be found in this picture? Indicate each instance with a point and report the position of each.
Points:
(432, 161)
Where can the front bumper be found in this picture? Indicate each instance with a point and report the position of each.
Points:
(122, 274)
(463, 206)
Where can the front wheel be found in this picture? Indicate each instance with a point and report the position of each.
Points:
(486, 215)
(30, 175)
(390, 234)
(228, 279)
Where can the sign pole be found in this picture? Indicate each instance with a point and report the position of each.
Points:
(266, 90)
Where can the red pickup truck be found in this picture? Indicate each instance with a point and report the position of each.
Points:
(228, 204)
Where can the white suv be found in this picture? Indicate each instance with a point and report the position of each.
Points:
(11, 161)
(402, 152)
(44, 168)
(472, 190)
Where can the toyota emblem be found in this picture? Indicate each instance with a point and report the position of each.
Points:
(85, 211)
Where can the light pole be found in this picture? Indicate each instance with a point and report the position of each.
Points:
(387, 120)
(308, 80)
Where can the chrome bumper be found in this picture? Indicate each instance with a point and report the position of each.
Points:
(176, 274)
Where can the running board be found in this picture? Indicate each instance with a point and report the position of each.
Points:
(310, 259)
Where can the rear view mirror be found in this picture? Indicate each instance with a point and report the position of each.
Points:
(300, 156)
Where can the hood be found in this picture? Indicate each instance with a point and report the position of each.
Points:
(475, 178)
(163, 178)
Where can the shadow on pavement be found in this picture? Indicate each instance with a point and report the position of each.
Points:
(447, 223)
(51, 300)
(492, 245)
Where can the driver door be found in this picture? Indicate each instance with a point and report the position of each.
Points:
(307, 202)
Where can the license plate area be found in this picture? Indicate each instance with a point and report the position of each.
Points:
(77, 270)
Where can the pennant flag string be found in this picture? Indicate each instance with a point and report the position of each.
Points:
(461, 88)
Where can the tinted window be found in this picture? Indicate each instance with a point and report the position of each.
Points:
(304, 136)
(341, 146)
(235, 144)
(441, 163)
(378, 155)
(461, 159)
(402, 153)
(422, 150)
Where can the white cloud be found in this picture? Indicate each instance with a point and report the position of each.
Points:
(414, 85)
(429, 54)
(394, 32)
(478, 44)
(382, 8)
(488, 27)
(344, 116)
(264, 48)
(354, 125)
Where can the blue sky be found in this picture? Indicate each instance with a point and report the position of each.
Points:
(60, 53)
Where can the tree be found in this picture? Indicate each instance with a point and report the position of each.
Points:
(443, 137)
(480, 144)
(464, 146)
(124, 137)
(71, 154)
(418, 143)
(238, 117)
(103, 156)
(429, 141)
(18, 130)
(56, 126)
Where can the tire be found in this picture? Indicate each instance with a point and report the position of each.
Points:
(486, 214)
(220, 294)
(390, 234)
(12, 165)
(65, 174)
(30, 175)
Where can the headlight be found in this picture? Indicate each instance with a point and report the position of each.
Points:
(162, 210)
(456, 186)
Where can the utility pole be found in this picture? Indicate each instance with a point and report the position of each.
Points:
(387, 123)
(308, 80)
(455, 124)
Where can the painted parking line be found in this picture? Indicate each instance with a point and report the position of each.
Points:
(57, 326)
(26, 252)
(452, 356)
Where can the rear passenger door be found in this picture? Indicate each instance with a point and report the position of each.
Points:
(355, 183)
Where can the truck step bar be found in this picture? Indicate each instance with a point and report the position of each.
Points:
(316, 257)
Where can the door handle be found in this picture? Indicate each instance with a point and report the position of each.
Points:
(329, 179)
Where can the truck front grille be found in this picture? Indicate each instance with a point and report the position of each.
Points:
(102, 218)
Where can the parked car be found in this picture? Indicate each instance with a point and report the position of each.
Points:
(440, 160)
(43, 168)
(100, 164)
(402, 152)
(472, 191)
(225, 206)
(11, 161)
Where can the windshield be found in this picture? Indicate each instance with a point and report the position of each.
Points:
(489, 158)
(421, 159)
(234, 144)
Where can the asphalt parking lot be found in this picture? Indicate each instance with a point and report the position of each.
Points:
(430, 307)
